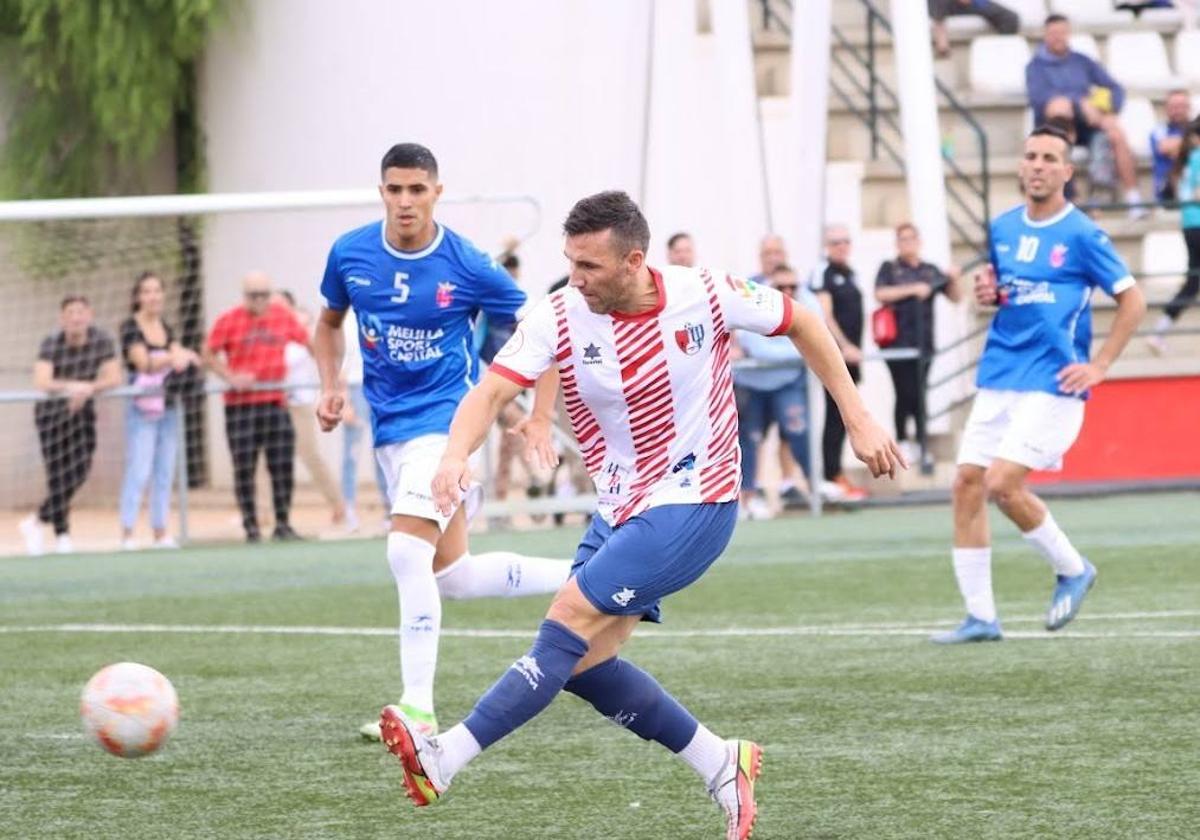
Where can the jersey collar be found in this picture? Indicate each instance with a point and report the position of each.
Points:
(411, 255)
(649, 313)
(1057, 217)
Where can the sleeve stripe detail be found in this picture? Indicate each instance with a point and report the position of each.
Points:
(511, 375)
(787, 316)
(1126, 282)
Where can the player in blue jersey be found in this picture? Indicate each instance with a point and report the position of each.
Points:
(1047, 258)
(416, 287)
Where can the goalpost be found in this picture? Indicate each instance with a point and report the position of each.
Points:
(200, 246)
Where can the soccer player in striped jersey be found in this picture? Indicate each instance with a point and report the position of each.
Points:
(416, 287)
(643, 358)
(1047, 257)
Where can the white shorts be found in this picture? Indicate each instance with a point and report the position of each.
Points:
(1031, 428)
(409, 468)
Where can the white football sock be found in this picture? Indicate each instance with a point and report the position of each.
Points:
(1052, 543)
(458, 746)
(411, 561)
(705, 753)
(973, 569)
(501, 574)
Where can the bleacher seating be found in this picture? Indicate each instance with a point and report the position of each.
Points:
(1138, 119)
(1138, 60)
(1164, 260)
(1091, 12)
(1187, 57)
(1031, 12)
(1085, 42)
(997, 64)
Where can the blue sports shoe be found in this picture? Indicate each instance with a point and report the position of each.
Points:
(1069, 593)
(971, 630)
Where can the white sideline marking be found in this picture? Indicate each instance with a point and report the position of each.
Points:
(835, 630)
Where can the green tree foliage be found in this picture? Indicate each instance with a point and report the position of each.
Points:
(101, 85)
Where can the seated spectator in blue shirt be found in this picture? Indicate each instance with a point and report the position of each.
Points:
(1063, 83)
(1165, 142)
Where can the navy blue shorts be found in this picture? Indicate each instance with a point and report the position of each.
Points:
(627, 570)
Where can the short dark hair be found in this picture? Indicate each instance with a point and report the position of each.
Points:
(409, 156)
(1064, 124)
(610, 210)
(1048, 130)
(73, 297)
(134, 303)
(1056, 18)
(675, 237)
(510, 261)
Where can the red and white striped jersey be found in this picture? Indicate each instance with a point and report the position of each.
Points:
(650, 396)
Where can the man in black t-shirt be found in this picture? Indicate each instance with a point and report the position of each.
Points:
(73, 365)
(909, 285)
(834, 283)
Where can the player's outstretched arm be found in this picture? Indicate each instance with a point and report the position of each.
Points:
(871, 444)
(1079, 377)
(329, 347)
(537, 430)
(475, 415)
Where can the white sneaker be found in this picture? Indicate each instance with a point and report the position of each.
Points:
(733, 788)
(758, 509)
(31, 531)
(1157, 344)
(832, 491)
(129, 544)
(63, 545)
(166, 543)
(910, 451)
(350, 523)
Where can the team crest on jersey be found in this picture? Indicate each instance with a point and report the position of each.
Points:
(690, 338)
(445, 295)
(371, 329)
(1058, 255)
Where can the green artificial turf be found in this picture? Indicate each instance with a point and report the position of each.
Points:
(869, 731)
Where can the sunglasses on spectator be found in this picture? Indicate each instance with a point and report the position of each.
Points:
(258, 295)
(841, 241)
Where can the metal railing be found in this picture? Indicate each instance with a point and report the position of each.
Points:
(861, 89)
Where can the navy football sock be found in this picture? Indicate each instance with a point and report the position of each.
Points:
(629, 697)
(528, 685)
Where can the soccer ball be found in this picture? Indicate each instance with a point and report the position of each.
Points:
(130, 709)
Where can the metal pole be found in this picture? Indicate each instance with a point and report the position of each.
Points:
(181, 467)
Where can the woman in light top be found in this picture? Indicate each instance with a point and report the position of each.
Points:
(151, 353)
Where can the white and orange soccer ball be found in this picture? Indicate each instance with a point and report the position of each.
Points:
(130, 709)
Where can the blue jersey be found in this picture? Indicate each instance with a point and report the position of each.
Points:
(1045, 274)
(415, 312)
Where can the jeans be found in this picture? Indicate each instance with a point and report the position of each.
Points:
(757, 410)
(354, 434)
(151, 447)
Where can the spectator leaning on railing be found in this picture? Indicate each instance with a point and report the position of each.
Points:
(246, 346)
(151, 354)
(1062, 82)
(73, 365)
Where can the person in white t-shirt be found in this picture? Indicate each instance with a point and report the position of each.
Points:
(643, 359)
